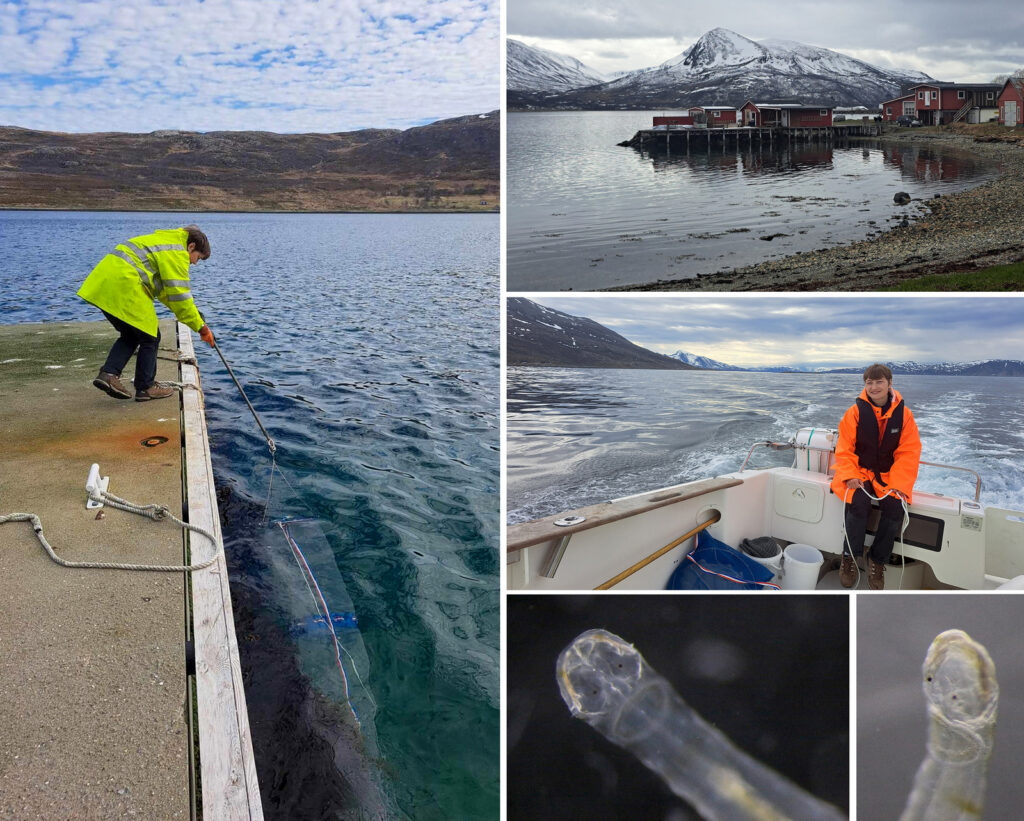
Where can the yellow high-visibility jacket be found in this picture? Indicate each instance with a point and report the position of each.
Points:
(129, 278)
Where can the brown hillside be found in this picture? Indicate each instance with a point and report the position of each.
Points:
(451, 165)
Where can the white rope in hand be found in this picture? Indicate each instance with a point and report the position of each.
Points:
(154, 512)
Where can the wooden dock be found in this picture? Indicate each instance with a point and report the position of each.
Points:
(102, 716)
(683, 139)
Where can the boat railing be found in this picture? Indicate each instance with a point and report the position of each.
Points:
(780, 446)
(792, 446)
(974, 473)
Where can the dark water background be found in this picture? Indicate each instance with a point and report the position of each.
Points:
(771, 672)
(585, 213)
(580, 436)
(367, 343)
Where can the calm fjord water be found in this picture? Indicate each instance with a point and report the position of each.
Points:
(585, 213)
(368, 345)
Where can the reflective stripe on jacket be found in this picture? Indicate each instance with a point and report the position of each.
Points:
(906, 454)
(129, 278)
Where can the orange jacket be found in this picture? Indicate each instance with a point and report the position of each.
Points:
(907, 457)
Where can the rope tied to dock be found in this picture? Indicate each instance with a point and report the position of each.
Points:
(157, 513)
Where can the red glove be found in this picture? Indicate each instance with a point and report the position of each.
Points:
(206, 335)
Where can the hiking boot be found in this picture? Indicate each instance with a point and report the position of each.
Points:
(110, 384)
(876, 575)
(154, 391)
(847, 571)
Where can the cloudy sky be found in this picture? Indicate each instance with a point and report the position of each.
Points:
(950, 40)
(273, 65)
(811, 331)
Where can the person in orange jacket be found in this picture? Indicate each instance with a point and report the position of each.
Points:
(878, 453)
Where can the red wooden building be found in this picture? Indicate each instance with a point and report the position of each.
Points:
(676, 119)
(714, 116)
(945, 103)
(710, 116)
(1011, 102)
(899, 107)
(785, 115)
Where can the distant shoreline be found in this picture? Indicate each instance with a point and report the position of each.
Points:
(969, 230)
(449, 212)
(852, 373)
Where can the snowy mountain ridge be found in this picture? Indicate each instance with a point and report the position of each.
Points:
(720, 68)
(537, 69)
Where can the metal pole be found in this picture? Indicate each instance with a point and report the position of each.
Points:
(231, 373)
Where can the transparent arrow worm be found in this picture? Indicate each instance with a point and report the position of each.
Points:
(962, 694)
(608, 684)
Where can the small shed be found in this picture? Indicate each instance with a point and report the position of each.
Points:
(714, 116)
(1011, 102)
(785, 115)
(677, 119)
(905, 106)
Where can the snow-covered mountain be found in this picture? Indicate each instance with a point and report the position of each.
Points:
(703, 362)
(988, 367)
(540, 336)
(725, 68)
(537, 69)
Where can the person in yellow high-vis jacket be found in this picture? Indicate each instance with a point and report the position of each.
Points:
(124, 284)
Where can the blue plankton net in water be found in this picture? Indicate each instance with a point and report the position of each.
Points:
(322, 621)
(314, 606)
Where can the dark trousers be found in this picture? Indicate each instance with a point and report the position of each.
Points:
(889, 525)
(122, 350)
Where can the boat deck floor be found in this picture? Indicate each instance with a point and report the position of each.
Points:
(91, 661)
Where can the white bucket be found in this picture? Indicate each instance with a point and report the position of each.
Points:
(801, 565)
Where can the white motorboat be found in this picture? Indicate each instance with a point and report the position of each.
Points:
(636, 542)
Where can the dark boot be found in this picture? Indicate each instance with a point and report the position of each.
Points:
(110, 384)
(847, 571)
(876, 575)
(154, 391)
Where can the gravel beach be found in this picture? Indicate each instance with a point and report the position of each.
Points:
(961, 232)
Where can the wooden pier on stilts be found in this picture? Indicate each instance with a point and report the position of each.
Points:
(684, 139)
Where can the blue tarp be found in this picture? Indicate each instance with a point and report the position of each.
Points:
(717, 557)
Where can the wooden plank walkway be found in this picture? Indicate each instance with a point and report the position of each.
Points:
(229, 784)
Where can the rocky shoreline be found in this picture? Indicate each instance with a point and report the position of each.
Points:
(967, 231)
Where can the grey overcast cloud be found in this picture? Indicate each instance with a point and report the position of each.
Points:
(811, 331)
(950, 40)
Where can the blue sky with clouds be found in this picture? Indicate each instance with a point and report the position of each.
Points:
(270, 65)
(811, 331)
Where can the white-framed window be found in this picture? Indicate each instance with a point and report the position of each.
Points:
(822, 112)
(920, 95)
(888, 111)
(718, 114)
(990, 95)
(961, 95)
(935, 95)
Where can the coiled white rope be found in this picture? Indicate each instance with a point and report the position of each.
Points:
(154, 512)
